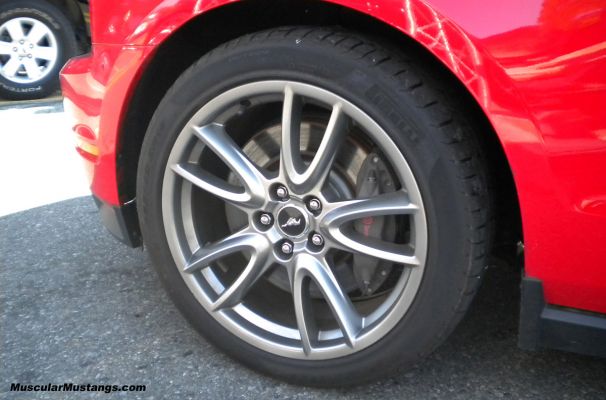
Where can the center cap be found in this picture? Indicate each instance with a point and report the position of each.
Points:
(292, 221)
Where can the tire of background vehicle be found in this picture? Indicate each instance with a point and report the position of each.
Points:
(67, 46)
(428, 128)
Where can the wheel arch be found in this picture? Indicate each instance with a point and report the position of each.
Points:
(70, 8)
(465, 72)
(74, 13)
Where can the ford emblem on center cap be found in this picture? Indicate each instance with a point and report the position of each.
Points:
(292, 221)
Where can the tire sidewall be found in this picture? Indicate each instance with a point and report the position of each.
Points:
(63, 30)
(425, 324)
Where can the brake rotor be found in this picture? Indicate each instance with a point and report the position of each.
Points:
(351, 177)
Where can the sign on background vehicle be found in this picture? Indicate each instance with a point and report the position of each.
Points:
(320, 185)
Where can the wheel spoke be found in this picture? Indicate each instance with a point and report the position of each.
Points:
(215, 137)
(325, 155)
(237, 242)
(37, 32)
(349, 320)
(256, 267)
(290, 156)
(6, 48)
(397, 253)
(32, 68)
(216, 186)
(299, 281)
(15, 29)
(12, 66)
(394, 203)
(44, 53)
(302, 179)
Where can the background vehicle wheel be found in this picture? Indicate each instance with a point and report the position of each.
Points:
(314, 204)
(36, 39)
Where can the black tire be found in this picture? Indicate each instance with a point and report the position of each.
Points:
(67, 44)
(429, 128)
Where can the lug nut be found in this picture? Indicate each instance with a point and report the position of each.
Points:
(314, 205)
(31, 46)
(21, 41)
(29, 56)
(286, 248)
(317, 239)
(15, 49)
(281, 192)
(265, 219)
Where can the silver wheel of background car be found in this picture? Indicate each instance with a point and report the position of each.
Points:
(294, 220)
(28, 50)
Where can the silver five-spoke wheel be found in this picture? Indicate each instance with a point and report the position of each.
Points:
(321, 244)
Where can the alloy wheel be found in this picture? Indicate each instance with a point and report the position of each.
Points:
(235, 223)
(28, 50)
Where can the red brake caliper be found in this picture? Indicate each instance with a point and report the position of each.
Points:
(373, 179)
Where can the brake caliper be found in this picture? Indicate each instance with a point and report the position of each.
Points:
(373, 179)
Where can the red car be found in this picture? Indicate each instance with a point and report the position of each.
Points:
(321, 184)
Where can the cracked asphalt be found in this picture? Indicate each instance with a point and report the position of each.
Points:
(77, 306)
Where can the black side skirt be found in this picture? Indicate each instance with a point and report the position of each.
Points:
(122, 222)
(547, 326)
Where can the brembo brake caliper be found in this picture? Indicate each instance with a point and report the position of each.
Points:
(373, 179)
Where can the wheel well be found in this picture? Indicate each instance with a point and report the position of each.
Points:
(72, 10)
(213, 28)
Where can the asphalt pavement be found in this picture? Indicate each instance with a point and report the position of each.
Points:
(77, 306)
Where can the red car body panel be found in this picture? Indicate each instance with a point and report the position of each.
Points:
(536, 67)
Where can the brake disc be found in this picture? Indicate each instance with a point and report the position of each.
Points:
(263, 149)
